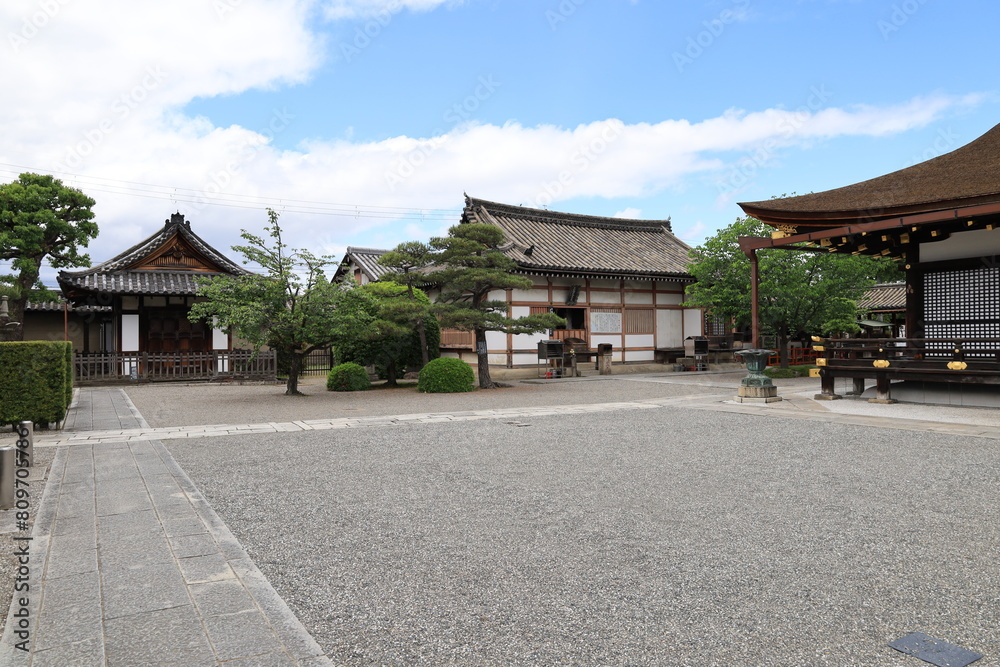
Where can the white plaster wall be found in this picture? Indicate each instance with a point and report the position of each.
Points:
(614, 339)
(497, 359)
(961, 245)
(693, 321)
(639, 298)
(669, 299)
(604, 283)
(521, 359)
(639, 340)
(530, 295)
(130, 333)
(606, 297)
(220, 339)
(528, 341)
(639, 355)
(496, 340)
(669, 331)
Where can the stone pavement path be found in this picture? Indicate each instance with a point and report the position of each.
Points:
(129, 565)
(795, 406)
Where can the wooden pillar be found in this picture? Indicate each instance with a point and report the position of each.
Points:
(914, 293)
(827, 392)
(754, 300)
(882, 393)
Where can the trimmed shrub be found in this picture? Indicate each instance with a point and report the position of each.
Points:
(446, 376)
(70, 368)
(348, 377)
(775, 372)
(36, 381)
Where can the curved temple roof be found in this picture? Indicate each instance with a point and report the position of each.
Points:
(183, 256)
(549, 241)
(966, 176)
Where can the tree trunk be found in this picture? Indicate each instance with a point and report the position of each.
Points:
(294, 368)
(485, 381)
(783, 349)
(390, 372)
(425, 356)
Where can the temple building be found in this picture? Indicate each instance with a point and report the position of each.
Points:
(616, 281)
(941, 220)
(140, 300)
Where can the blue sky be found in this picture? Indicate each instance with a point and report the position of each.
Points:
(364, 121)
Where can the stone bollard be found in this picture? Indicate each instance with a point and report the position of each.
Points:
(25, 443)
(7, 477)
(604, 358)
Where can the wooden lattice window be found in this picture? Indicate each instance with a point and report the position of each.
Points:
(962, 304)
(639, 320)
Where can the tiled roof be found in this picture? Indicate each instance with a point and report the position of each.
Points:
(57, 307)
(115, 277)
(887, 296)
(167, 283)
(966, 176)
(548, 241)
(367, 261)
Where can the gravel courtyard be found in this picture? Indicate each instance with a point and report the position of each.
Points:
(656, 536)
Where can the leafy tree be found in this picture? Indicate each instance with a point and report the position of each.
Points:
(389, 339)
(41, 220)
(292, 308)
(798, 291)
(405, 263)
(469, 265)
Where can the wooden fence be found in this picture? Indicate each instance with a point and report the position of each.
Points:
(167, 366)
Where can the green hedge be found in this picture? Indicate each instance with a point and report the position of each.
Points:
(446, 375)
(36, 381)
(348, 377)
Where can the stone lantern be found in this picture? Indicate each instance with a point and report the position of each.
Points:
(756, 387)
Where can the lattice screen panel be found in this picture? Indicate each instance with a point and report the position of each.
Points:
(962, 304)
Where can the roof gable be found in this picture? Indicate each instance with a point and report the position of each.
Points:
(165, 263)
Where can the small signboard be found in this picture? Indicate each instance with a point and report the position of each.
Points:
(606, 323)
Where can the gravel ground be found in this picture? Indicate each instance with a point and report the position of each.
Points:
(632, 537)
(193, 405)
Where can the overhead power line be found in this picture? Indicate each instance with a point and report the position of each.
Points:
(200, 197)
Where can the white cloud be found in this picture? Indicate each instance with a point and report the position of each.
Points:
(349, 9)
(74, 104)
(629, 214)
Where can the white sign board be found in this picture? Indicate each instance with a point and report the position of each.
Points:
(606, 322)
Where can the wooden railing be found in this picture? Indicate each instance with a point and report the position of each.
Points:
(166, 366)
(971, 360)
(796, 356)
(563, 334)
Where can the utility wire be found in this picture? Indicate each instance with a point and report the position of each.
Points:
(193, 196)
